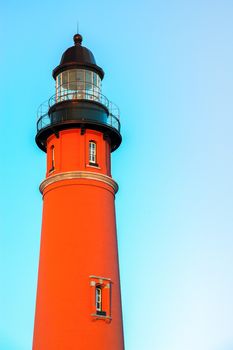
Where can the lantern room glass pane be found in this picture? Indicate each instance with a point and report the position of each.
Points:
(89, 85)
(89, 76)
(80, 76)
(64, 78)
(64, 85)
(72, 80)
(95, 79)
(59, 80)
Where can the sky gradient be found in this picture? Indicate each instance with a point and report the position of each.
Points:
(168, 66)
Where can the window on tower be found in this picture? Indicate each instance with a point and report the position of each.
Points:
(52, 158)
(98, 300)
(101, 298)
(92, 153)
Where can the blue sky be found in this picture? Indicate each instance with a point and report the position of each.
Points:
(168, 66)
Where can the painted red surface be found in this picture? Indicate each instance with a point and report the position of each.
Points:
(78, 241)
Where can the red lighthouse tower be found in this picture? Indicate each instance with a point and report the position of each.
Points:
(78, 297)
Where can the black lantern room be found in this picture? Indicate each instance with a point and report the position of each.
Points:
(78, 101)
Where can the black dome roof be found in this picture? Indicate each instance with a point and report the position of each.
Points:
(78, 56)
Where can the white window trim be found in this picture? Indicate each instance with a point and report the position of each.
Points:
(92, 152)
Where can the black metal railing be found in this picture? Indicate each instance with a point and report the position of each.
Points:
(44, 120)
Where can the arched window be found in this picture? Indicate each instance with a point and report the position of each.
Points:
(92, 153)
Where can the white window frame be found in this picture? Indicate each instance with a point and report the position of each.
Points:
(92, 152)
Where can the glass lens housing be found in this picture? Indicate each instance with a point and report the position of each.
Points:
(78, 84)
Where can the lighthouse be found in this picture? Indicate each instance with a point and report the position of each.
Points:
(78, 304)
